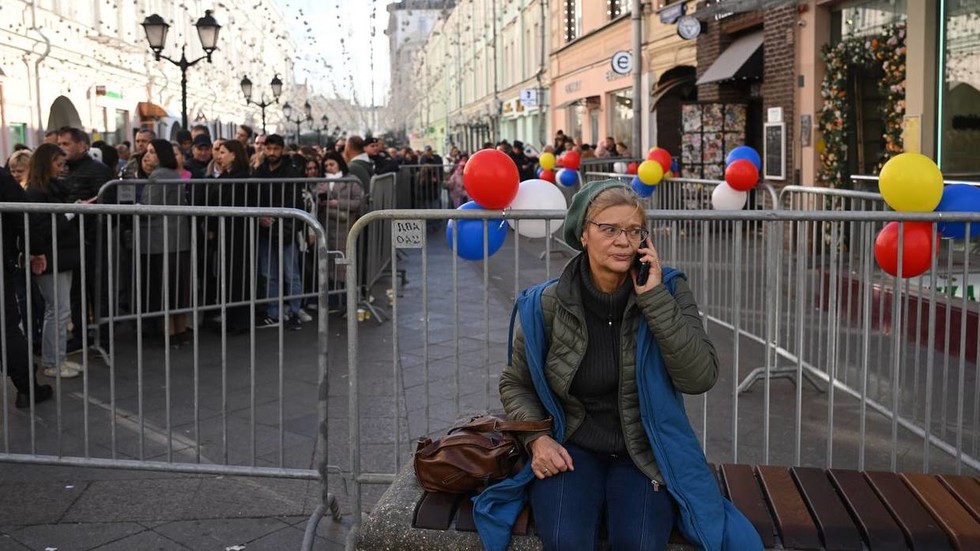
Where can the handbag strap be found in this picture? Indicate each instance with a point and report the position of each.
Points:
(493, 424)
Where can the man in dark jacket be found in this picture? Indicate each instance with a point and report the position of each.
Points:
(383, 164)
(200, 158)
(85, 177)
(525, 166)
(15, 356)
(275, 193)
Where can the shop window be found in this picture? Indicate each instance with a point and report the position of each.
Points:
(867, 18)
(16, 133)
(575, 115)
(959, 93)
(621, 116)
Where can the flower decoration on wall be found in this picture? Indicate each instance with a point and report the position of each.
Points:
(886, 50)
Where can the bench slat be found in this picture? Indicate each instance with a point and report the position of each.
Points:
(743, 490)
(921, 530)
(877, 525)
(435, 511)
(464, 519)
(796, 526)
(961, 527)
(966, 489)
(832, 518)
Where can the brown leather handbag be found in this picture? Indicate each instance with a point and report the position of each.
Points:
(472, 455)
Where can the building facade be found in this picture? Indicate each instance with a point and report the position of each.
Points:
(87, 64)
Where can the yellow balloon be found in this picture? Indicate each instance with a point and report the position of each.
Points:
(547, 161)
(650, 172)
(911, 182)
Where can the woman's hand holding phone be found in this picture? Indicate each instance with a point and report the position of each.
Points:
(647, 254)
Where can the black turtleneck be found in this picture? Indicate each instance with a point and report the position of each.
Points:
(596, 383)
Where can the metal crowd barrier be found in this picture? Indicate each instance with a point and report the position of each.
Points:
(893, 362)
(310, 194)
(423, 186)
(220, 399)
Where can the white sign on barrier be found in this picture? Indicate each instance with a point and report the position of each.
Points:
(409, 234)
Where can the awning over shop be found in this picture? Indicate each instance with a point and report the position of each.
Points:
(743, 59)
(147, 110)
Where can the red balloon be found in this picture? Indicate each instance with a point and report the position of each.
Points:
(742, 175)
(547, 176)
(491, 179)
(918, 245)
(632, 168)
(662, 156)
(571, 160)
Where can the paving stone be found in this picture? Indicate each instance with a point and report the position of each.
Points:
(135, 500)
(220, 533)
(144, 541)
(75, 536)
(19, 503)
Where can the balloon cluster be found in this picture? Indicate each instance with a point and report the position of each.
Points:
(742, 167)
(649, 173)
(493, 182)
(911, 182)
(567, 175)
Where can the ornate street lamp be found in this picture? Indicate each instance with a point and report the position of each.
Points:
(324, 126)
(276, 86)
(156, 29)
(287, 111)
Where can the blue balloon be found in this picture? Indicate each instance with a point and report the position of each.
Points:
(744, 152)
(640, 188)
(539, 171)
(959, 198)
(471, 235)
(567, 177)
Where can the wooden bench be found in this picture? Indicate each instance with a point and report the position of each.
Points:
(809, 509)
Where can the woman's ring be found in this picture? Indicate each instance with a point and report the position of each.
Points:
(546, 471)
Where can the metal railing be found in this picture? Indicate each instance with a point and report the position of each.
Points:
(892, 362)
(214, 402)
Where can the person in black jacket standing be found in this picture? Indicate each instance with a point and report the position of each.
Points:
(85, 177)
(275, 193)
(53, 249)
(14, 357)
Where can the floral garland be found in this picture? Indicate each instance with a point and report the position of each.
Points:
(887, 50)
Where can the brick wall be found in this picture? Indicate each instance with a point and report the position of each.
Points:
(779, 74)
(778, 87)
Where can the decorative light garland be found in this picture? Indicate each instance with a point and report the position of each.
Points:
(888, 50)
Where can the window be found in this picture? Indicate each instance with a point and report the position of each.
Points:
(615, 8)
(16, 133)
(573, 19)
(959, 90)
(621, 115)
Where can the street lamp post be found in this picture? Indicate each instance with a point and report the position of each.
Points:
(156, 35)
(324, 126)
(287, 111)
(276, 85)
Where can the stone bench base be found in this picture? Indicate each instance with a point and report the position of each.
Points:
(390, 525)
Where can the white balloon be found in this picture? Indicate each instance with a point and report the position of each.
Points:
(537, 195)
(724, 197)
(619, 167)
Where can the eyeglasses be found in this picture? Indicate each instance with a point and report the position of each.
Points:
(612, 231)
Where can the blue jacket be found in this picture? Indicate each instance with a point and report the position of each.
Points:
(706, 518)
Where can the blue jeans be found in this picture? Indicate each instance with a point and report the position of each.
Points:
(55, 288)
(568, 507)
(269, 268)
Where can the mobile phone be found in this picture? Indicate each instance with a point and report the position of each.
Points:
(642, 270)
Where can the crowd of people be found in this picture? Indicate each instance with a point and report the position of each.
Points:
(153, 265)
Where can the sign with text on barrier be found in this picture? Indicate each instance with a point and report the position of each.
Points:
(409, 234)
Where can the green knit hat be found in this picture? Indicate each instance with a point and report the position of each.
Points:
(575, 218)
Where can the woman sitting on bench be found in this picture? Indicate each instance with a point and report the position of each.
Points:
(606, 350)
